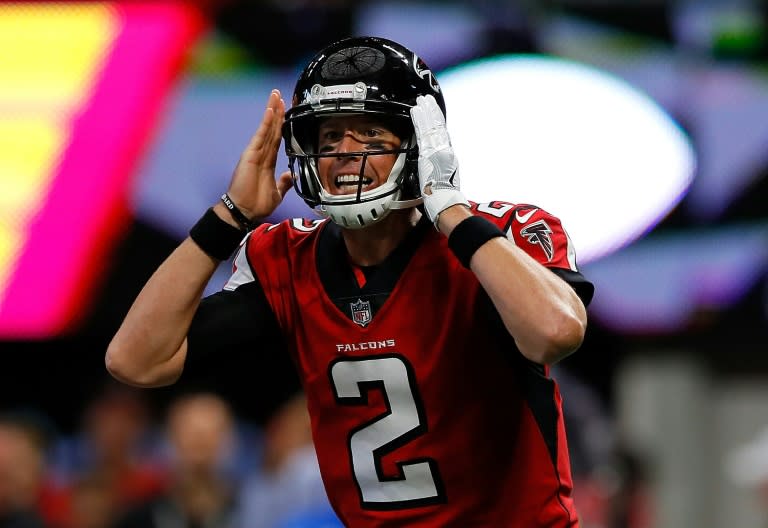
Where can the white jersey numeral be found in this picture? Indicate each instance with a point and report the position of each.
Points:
(497, 209)
(305, 226)
(418, 482)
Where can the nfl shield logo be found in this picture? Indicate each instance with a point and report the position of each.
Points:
(361, 312)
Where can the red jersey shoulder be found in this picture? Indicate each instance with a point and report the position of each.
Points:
(285, 236)
(534, 230)
(496, 211)
(504, 213)
(265, 251)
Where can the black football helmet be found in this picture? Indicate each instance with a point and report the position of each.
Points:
(358, 75)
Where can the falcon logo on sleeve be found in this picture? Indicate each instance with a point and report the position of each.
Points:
(539, 233)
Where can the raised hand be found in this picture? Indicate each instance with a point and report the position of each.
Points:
(253, 187)
(438, 166)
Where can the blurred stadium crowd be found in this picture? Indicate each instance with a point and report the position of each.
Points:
(196, 463)
(197, 466)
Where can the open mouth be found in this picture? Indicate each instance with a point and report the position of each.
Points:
(350, 182)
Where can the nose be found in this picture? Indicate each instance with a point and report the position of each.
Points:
(348, 143)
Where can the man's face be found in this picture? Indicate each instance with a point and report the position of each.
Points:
(354, 133)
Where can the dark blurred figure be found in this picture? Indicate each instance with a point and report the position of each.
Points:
(117, 426)
(287, 490)
(22, 473)
(109, 465)
(92, 502)
(200, 430)
(610, 479)
(631, 504)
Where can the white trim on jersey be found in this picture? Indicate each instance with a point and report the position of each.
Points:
(241, 272)
(570, 251)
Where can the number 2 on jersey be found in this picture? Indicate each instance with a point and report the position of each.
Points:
(418, 482)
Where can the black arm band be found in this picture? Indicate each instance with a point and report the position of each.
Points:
(469, 235)
(216, 237)
(237, 214)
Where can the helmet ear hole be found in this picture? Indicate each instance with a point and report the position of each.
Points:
(309, 179)
(410, 185)
(411, 180)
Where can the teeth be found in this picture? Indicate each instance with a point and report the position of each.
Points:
(351, 179)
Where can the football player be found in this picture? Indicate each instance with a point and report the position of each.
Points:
(421, 323)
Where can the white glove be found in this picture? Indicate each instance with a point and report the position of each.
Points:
(438, 166)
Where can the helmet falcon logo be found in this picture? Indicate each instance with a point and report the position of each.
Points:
(361, 312)
(422, 71)
(538, 233)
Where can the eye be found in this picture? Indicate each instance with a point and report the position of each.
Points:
(330, 135)
(377, 138)
(327, 140)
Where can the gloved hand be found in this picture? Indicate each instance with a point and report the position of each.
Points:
(438, 166)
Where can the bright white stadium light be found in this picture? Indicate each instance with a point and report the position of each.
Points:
(577, 141)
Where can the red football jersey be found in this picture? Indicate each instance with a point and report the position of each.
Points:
(423, 411)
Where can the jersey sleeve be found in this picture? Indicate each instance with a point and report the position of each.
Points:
(242, 271)
(542, 236)
(238, 316)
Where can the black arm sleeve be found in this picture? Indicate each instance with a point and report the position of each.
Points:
(233, 320)
(235, 347)
(584, 289)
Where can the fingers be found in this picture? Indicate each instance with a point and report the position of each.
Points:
(264, 144)
(434, 112)
(276, 109)
(429, 124)
(418, 117)
(253, 186)
(284, 183)
(427, 115)
(274, 116)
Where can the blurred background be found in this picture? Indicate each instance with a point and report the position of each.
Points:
(120, 124)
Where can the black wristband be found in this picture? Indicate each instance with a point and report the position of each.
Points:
(237, 214)
(216, 237)
(469, 235)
